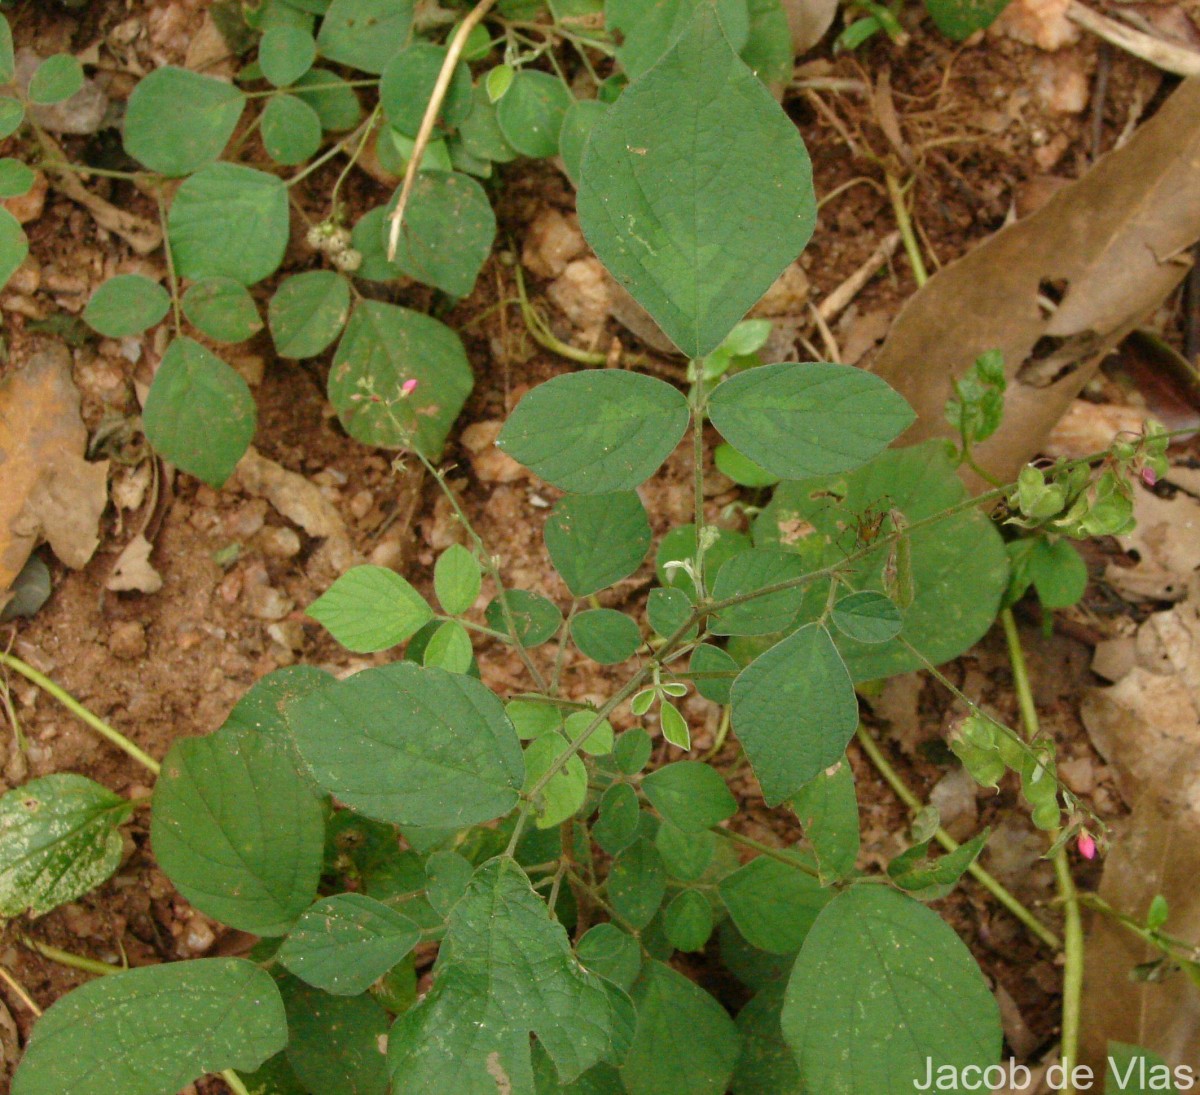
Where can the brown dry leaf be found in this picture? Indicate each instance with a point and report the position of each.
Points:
(1167, 542)
(1147, 726)
(1112, 244)
(50, 491)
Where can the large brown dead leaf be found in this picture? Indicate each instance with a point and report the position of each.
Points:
(1147, 726)
(1113, 243)
(49, 491)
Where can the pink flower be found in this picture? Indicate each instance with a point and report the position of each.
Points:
(408, 387)
(1149, 477)
(1087, 845)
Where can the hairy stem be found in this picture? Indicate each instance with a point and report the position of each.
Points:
(1073, 923)
(76, 708)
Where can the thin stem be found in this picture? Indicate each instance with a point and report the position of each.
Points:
(698, 482)
(1068, 894)
(907, 235)
(470, 625)
(781, 854)
(270, 92)
(172, 277)
(1169, 944)
(367, 129)
(986, 880)
(722, 734)
(72, 961)
(454, 49)
(84, 169)
(560, 655)
(543, 336)
(331, 151)
(20, 990)
(76, 708)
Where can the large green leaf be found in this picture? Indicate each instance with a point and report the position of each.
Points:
(690, 795)
(648, 28)
(606, 635)
(336, 1044)
(696, 190)
(385, 346)
(595, 540)
(447, 232)
(668, 1004)
(177, 120)
(343, 944)
(199, 414)
(596, 432)
(505, 969)
(773, 904)
(412, 746)
(768, 50)
(766, 1066)
(237, 831)
(365, 34)
(803, 419)
(637, 882)
(58, 840)
(827, 809)
(229, 221)
(154, 1030)
(794, 711)
(748, 572)
(371, 608)
(290, 129)
(882, 988)
(957, 567)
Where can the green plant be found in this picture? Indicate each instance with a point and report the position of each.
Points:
(346, 822)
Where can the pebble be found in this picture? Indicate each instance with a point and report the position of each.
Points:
(490, 464)
(279, 542)
(387, 553)
(127, 639)
(361, 503)
(264, 601)
(247, 519)
(198, 936)
(28, 206)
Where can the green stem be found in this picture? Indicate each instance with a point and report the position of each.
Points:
(76, 708)
(783, 855)
(543, 336)
(72, 961)
(986, 880)
(907, 235)
(172, 277)
(1073, 925)
(235, 1082)
(722, 734)
(352, 159)
(561, 653)
(698, 482)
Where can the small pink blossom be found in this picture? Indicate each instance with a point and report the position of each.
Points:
(1087, 845)
(1149, 477)
(408, 387)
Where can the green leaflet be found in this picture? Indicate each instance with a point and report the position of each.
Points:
(885, 979)
(506, 969)
(773, 905)
(155, 1029)
(457, 579)
(596, 432)
(412, 746)
(336, 1044)
(364, 34)
(794, 711)
(447, 232)
(960, 553)
(596, 540)
(237, 831)
(222, 309)
(383, 347)
(199, 414)
(58, 840)
(229, 221)
(766, 1063)
(126, 305)
(696, 189)
(690, 795)
(827, 809)
(371, 608)
(647, 30)
(798, 420)
(343, 944)
(178, 120)
(668, 1004)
